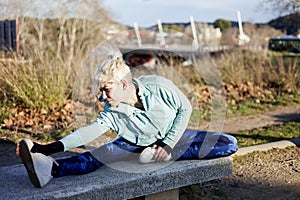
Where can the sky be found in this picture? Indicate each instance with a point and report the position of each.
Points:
(147, 12)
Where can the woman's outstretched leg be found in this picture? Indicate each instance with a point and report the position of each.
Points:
(74, 165)
(90, 161)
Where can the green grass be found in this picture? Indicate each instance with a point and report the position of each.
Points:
(250, 107)
(268, 134)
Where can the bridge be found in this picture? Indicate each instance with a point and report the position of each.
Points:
(136, 56)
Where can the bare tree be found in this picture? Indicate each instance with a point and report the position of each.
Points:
(55, 38)
(282, 7)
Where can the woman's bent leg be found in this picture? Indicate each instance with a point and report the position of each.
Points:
(195, 144)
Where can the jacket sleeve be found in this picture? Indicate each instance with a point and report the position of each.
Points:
(86, 134)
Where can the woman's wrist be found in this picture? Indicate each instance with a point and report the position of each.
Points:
(48, 149)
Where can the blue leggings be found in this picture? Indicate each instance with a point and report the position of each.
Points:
(194, 144)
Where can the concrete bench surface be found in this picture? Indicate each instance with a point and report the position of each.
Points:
(108, 182)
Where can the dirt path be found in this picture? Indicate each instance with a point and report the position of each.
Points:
(279, 116)
(268, 175)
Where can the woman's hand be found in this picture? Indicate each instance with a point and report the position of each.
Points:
(18, 149)
(161, 154)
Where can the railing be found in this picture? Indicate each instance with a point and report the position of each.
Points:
(178, 47)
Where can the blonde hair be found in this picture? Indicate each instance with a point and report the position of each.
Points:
(112, 69)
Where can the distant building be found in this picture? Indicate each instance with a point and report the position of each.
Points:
(172, 36)
(207, 34)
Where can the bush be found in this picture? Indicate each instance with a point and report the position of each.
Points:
(34, 83)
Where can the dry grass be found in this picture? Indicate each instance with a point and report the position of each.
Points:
(262, 69)
(34, 83)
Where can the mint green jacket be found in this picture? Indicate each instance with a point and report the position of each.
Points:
(166, 116)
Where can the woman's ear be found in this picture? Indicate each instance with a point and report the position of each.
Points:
(124, 84)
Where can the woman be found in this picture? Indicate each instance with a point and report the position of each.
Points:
(149, 114)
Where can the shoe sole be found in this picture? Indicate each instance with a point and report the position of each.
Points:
(147, 156)
(25, 155)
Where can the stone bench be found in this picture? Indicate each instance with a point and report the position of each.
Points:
(121, 180)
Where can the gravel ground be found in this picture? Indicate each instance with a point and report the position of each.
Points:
(274, 174)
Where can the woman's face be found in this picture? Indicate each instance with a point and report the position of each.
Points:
(112, 92)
